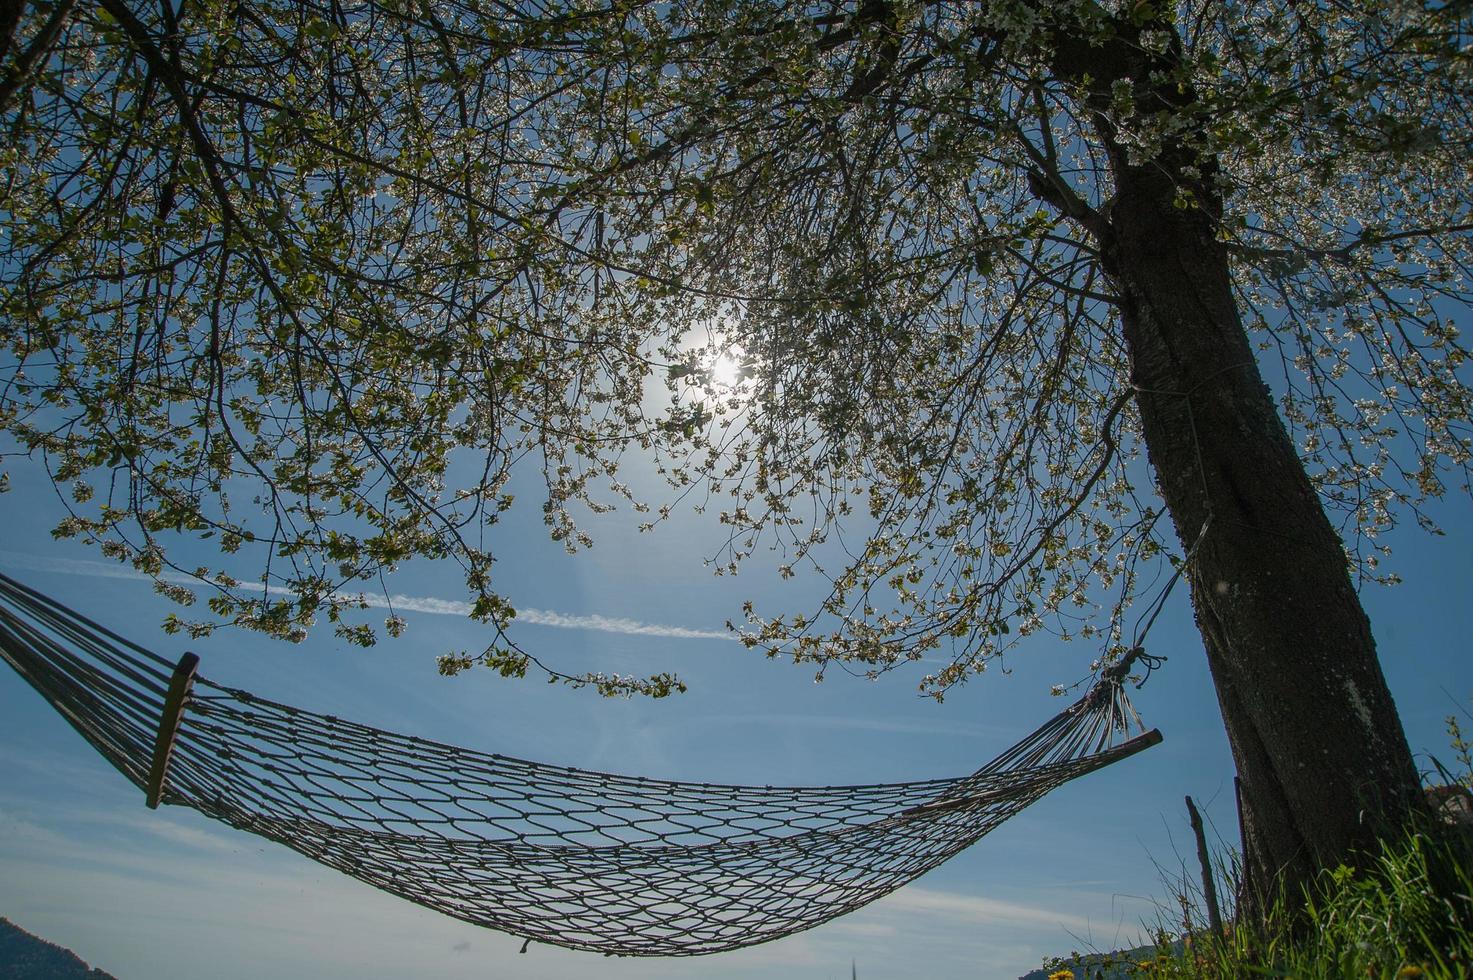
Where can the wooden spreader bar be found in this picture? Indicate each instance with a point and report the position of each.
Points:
(163, 747)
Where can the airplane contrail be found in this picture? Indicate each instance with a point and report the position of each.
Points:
(406, 603)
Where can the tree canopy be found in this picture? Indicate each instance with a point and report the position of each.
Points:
(274, 271)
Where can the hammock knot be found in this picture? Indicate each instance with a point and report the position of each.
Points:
(1116, 673)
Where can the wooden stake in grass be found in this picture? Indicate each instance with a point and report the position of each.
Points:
(1209, 887)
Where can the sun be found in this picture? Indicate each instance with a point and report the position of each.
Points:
(726, 369)
(712, 362)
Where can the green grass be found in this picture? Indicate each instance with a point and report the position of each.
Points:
(1390, 920)
(1406, 913)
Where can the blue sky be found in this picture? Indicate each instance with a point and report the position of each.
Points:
(167, 894)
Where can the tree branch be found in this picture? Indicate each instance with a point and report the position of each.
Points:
(40, 46)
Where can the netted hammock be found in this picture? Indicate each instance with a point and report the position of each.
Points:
(586, 860)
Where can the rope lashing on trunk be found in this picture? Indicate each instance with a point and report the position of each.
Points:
(587, 860)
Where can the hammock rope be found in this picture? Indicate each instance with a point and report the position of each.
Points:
(576, 858)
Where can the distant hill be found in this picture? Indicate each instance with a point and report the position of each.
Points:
(1118, 965)
(27, 957)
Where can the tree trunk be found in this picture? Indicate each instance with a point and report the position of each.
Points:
(1320, 751)
(1324, 764)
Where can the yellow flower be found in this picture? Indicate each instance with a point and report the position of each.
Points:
(1409, 972)
(1061, 975)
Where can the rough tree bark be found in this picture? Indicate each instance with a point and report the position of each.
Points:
(1313, 729)
(1325, 766)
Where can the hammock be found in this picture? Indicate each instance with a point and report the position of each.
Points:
(586, 860)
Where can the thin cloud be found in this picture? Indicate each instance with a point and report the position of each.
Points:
(866, 723)
(428, 605)
(959, 908)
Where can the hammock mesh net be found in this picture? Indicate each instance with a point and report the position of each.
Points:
(586, 860)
